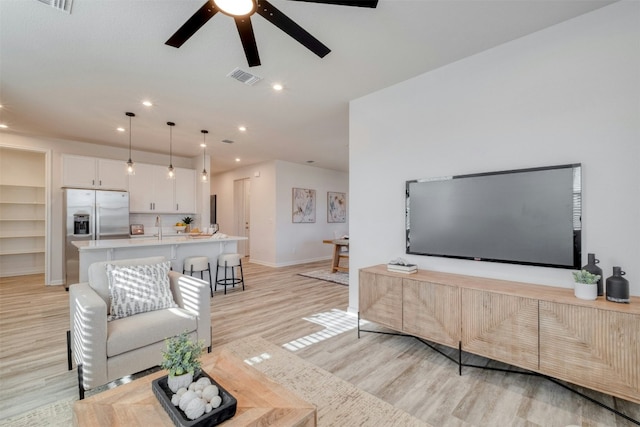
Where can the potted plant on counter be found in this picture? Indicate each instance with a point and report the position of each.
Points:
(187, 220)
(586, 285)
(181, 360)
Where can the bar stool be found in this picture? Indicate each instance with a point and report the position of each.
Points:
(198, 263)
(233, 262)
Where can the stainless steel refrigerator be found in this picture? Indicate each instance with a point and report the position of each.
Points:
(92, 215)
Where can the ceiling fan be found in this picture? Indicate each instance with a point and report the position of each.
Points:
(241, 11)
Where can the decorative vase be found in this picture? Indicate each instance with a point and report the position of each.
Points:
(588, 291)
(592, 268)
(618, 286)
(175, 382)
(187, 228)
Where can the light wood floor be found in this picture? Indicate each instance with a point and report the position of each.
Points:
(399, 370)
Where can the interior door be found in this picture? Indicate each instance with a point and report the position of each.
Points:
(241, 208)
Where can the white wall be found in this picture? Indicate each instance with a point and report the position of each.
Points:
(300, 243)
(57, 147)
(567, 94)
(275, 240)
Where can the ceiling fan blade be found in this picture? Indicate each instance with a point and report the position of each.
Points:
(192, 25)
(360, 3)
(245, 29)
(282, 21)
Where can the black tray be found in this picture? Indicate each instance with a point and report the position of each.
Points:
(226, 410)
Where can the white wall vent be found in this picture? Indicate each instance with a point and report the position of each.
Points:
(63, 5)
(244, 77)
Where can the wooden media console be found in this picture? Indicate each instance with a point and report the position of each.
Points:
(544, 329)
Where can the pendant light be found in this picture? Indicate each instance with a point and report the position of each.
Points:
(130, 165)
(171, 172)
(204, 177)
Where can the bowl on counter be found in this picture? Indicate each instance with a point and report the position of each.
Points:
(179, 228)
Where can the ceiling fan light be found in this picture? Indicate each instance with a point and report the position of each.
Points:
(236, 7)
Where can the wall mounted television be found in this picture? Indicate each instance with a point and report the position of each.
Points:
(527, 216)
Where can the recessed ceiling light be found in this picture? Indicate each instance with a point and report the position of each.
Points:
(237, 159)
(120, 129)
(277, 86)
(3, 126)
(147, 103)
(242, 128)
(202, 144)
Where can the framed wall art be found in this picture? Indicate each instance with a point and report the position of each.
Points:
(304, 205)
(336, 207)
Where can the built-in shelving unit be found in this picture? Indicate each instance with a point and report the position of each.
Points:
(22, 213)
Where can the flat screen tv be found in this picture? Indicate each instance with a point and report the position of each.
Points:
(526, 216)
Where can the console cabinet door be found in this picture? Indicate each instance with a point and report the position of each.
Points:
(431, 311)
(380, 299)
(500, 327)
(594, 348)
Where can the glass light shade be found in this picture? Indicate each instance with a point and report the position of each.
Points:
(171, 174)
(236, 7)
(204, 177)
(131, 167)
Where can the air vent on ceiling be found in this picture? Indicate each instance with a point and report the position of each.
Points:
(244, 77)
(63, 5)
(227, 141)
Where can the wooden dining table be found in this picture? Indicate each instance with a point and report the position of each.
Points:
(340, 251)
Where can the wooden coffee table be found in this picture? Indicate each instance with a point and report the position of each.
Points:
(261, 401)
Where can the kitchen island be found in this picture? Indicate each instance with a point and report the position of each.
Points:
(175, 249)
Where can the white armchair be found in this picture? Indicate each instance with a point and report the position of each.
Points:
(108, 350)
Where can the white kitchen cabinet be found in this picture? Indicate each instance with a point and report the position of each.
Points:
(185, 191)
(151, 192)
(92, 172)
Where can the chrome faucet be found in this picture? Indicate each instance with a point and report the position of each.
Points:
(159, 225)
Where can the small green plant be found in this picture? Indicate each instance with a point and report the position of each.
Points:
(583, 276)
(187, 220)
(182, 355)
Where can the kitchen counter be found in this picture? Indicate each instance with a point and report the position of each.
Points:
(175, 248)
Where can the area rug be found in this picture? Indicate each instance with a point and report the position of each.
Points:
(337, 277)
(338, 402)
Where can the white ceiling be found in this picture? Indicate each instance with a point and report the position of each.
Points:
(73, 76)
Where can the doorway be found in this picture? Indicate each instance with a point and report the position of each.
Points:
(241, 213)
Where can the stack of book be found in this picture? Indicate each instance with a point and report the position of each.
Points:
(402, 268)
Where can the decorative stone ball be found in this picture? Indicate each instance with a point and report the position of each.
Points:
(175, 400)
(186, 398)
(215, 402)
(209, 392)
(208, 408)
(192, 387)
(195, 409)
(181, 391)
(204, 381)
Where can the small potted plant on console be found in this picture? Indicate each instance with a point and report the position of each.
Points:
(585, 286)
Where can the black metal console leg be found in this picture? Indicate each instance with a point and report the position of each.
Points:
(358, 325)
(459, 358)
(80, 385)
(69, 350)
